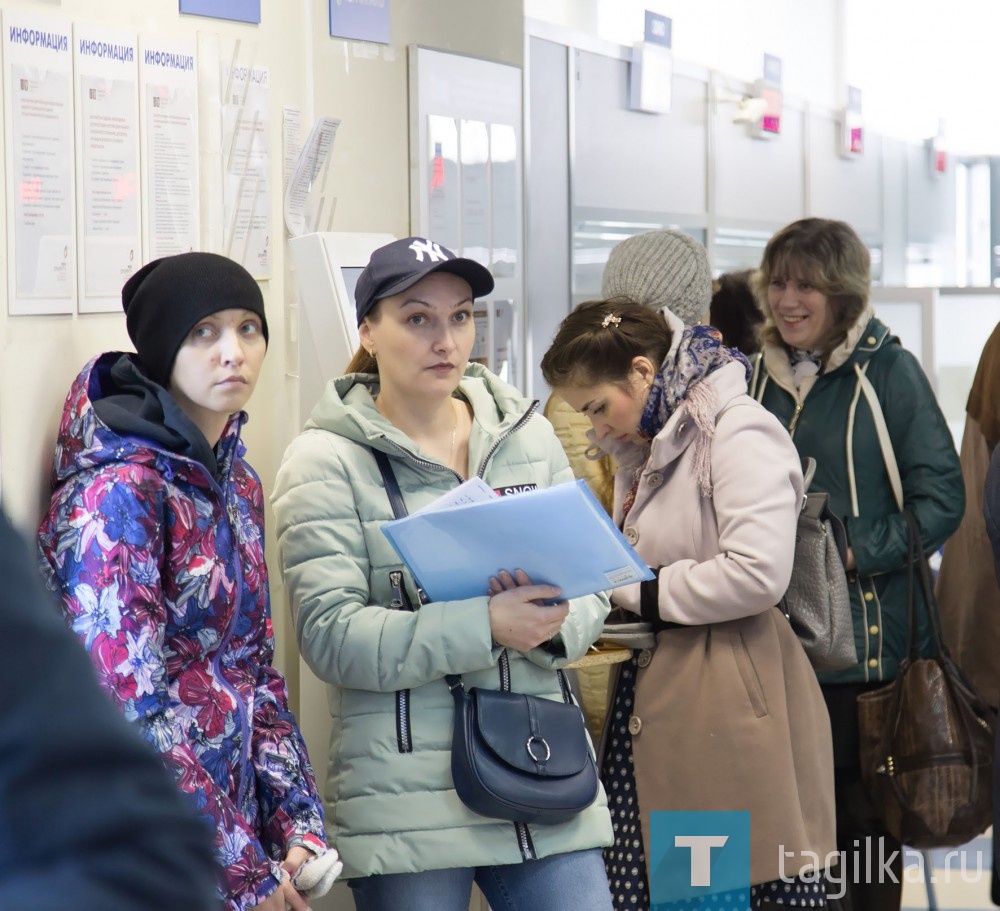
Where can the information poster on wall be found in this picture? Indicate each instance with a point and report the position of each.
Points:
(38, 108)
(246, 165)
(169, 96)
(105, 66)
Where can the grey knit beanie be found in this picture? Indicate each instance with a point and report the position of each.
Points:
(661, 269)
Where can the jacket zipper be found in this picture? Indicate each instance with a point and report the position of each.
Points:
(232, 516)
(400, 601)
(436, 466)
(516, 426)
(426, 463)
(521, 832)
(795, 419)
(792, 392)
(404, 737)
(524, 841)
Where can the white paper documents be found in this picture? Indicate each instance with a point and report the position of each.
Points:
(559, 536)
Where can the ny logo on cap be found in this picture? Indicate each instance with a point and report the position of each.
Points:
(433, 250)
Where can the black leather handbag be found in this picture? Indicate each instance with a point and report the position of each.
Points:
(513, 756)
(522, 758)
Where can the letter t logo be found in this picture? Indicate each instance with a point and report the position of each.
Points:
(701, 855)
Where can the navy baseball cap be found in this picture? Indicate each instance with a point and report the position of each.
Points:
(401, 264)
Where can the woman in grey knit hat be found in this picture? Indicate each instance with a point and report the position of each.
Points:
(661, 269)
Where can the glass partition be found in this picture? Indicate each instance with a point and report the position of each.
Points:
(597, 231)
(739, 248)
(946, 330)
(963, 321)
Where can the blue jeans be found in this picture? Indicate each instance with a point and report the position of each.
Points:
(564, 882)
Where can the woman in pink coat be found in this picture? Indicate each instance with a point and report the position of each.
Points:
(725, 712)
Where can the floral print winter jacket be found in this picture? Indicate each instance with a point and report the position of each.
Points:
(162, 576)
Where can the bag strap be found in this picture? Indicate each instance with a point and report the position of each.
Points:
(884, 441)
(950, 673)
(758, 377)
(454, 681)
(391, 484)
(808, 472)
(918, 570)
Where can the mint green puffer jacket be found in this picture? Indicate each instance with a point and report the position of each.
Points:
(390, 803)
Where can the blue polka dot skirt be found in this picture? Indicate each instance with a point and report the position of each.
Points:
(625, 860)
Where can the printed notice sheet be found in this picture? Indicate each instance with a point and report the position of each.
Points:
(108, 133)
(38, 104)
(246, 166)
(169, 97)
(307, 208)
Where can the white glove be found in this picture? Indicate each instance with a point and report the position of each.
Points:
(316, 875)
(627, 597)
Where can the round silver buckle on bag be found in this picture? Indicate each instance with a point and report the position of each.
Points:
(534, 738)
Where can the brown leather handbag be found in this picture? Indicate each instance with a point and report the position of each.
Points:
(927, 738)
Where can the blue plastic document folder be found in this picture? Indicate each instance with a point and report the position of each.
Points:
(559, 535)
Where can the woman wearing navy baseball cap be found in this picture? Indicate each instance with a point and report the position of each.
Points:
(406, 838)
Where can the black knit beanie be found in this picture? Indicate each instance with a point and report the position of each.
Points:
(168, 297)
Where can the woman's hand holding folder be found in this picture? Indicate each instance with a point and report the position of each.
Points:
(524, 615)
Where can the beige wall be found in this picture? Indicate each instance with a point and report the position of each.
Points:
(363, 84)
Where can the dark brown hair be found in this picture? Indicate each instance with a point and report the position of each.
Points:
(599, 340)
(363, 362)
(734, 311)
(826, 254)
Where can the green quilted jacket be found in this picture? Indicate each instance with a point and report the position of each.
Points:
(832, 422)
(390, 803)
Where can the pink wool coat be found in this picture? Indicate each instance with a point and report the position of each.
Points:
(728, 714)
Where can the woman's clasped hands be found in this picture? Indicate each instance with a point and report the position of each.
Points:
(524, 615)
(304, 874)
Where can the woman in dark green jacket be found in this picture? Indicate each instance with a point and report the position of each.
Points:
(822, 346)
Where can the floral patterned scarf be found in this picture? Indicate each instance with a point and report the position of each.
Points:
(679, 381)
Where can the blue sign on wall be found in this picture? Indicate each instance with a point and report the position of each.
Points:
(658, 29)
(362, 20)
(238, 10)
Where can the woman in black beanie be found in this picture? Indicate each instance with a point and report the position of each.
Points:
(154, 539)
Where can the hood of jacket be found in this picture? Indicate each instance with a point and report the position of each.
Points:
(347, 407)
(864, 340)
(114, 413)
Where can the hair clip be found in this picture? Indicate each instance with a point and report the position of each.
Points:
(610, 320)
